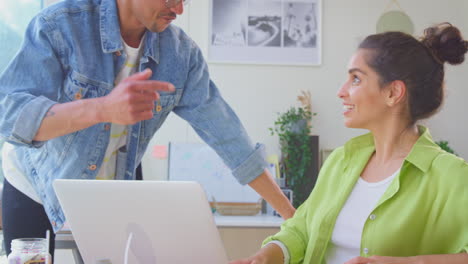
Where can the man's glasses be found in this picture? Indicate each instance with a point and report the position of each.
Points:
(173, 3)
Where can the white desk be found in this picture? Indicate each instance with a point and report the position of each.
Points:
(241, 235)
(248, 221)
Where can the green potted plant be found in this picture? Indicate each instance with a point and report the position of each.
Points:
(444, 144)
(293, 128)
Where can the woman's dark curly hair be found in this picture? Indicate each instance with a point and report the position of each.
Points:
(418, 63)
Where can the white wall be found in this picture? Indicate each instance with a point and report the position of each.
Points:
(258, 92)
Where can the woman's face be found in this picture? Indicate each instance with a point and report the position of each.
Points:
(364, 103)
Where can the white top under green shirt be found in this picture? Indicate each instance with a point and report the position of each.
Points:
(118, 138)
(345, 242)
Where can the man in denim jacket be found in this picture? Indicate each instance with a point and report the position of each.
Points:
(60, 98)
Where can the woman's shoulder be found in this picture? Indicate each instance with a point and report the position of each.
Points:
(445, 159)
(450, 166)
(337, 154)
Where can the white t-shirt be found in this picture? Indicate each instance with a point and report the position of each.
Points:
(345, 242)
(117, 139)
(118, 135)
(14, 175)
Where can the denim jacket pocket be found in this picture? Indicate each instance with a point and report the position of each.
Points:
(164, 104)
(161, 110)
(78, 86)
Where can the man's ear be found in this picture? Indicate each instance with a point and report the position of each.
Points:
(396, 92)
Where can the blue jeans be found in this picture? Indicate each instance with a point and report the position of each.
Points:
(23, 217)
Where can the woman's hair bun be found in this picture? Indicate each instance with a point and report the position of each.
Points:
(446, 43)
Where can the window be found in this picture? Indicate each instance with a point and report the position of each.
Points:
(14, 18)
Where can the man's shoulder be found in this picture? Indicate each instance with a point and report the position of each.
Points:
(174, 38)
(67, 7)
(176, 32)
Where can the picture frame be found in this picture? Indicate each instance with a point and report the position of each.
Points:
(282, 32)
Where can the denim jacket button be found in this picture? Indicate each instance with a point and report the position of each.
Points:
(92, 167)
(78, 96)
(106, 126)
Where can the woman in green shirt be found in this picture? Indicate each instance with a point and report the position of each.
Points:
(390, 196)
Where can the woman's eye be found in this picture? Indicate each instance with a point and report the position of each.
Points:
(356, 80)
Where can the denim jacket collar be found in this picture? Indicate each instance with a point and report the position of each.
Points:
(109, 27)
(152, 46)
(111, 40)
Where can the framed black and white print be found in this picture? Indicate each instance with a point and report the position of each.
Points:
(265, 32)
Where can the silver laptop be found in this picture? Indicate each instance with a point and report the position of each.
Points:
(140, 222)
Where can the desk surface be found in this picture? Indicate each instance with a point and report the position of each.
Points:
(248, 221)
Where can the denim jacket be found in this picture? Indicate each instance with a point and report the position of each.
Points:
(73, 51)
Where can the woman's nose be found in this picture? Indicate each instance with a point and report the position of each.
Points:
(342, 92)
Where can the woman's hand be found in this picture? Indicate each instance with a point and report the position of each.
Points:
(383, 260)
(271, 254)
(251, 260)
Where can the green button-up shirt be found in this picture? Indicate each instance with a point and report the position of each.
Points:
(423, 211)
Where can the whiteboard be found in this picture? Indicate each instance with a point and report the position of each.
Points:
(198, 162)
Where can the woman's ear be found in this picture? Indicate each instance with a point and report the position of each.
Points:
(396, 93)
